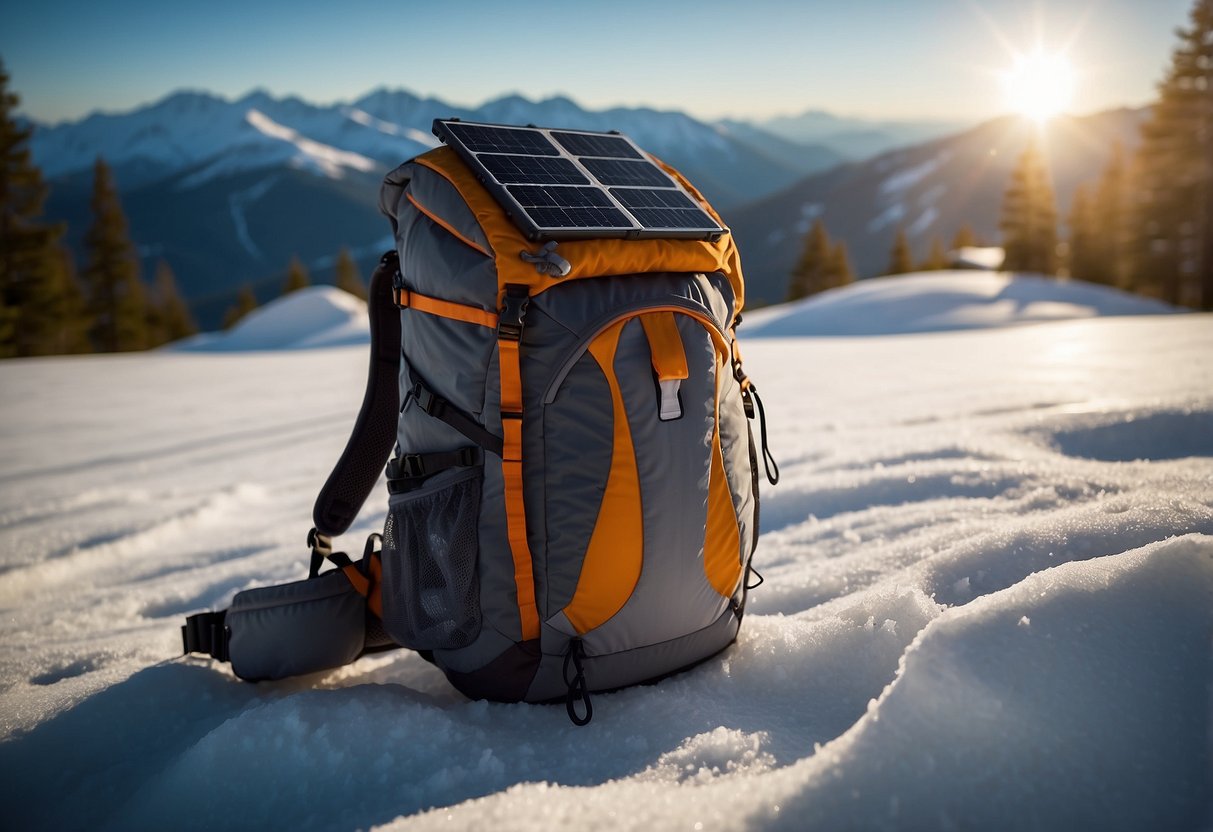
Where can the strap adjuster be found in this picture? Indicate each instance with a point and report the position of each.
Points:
(206, 632)
(513, 312)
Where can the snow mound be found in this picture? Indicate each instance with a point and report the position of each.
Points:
(318, 316)
(941, 301)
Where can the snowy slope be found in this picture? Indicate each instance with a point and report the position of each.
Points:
(945, 300)
(988, 604)
(318, 316)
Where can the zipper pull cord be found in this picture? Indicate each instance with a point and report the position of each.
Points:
(577, 688)
(547, 261)
(768, 461)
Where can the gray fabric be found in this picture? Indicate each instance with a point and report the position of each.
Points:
(735, 448)
(616, 670)
(295, 628)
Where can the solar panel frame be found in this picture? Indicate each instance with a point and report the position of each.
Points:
(629, 176)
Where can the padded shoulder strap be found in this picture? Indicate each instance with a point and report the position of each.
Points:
(369, 446)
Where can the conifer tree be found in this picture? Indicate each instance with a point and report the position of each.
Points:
(810, 274)
(169, 317)
(245, 303)
(900, 261)
(1086, 259)
(116, 295)
(296, 277)
(35, 290)
(348, 278)
(1110, 221)
(937, 258)
(965, 237)
(841, 273)
(1173, 248)
(1029, 217)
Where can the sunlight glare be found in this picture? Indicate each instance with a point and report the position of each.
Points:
(1039, 85)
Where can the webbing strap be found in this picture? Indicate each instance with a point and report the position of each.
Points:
(408, 299)
(509, 335)
(374, 432)
(205, 632)
(444, 411)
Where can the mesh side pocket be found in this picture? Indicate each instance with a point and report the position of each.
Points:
(431, 597)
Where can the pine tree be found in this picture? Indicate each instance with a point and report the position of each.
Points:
(116, 295)
(840, 273)
(810, 275)
(900, 261)
(37, 287)
(348, 278)
(1029, 217)
(1110, 220)
(169, 317)
(1086, 258)
(937, 258)
(246, 302)
(1173, 247)
(296, 277)
(965, 237)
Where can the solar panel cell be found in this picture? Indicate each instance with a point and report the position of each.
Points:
(585, 144)
(479, 138)
(624, 172)
(536, 170)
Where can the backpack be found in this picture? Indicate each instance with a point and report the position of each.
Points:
(574, 485)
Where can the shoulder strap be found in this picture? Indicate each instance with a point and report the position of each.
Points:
(369, 446)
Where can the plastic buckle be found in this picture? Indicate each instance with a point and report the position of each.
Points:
(425, 398)
(411, 466)
(465, 457)
(513, 312)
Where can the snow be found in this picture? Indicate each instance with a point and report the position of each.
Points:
(906, 178)
(309, 318)
(979, 257)
(989, 575)
(944, 300)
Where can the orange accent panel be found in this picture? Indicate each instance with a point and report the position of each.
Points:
(722, 542)
(589, 258)
(406, 299)
(446, 225)
(359, 581)
(615, 555)
(669, 358)
(511, 472)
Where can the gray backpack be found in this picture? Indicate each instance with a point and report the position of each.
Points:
(574, 483)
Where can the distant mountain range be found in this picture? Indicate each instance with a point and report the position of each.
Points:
(930, 190)
(227, 191)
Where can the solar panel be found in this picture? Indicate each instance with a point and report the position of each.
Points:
(577, 184)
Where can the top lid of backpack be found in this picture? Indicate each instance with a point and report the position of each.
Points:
(560, 184)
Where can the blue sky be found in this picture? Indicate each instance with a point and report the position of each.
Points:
(747, 58)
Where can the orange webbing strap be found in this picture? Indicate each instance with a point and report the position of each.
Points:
(407, 299)
(509, 337)
(665, 344)
(367, 585)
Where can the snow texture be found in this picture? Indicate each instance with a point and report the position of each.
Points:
(988, 599)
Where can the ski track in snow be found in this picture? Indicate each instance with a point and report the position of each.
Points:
(988, 604)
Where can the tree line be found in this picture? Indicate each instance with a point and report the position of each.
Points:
(49, 307)
(1145, 225)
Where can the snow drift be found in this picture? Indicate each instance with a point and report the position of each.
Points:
(988, 603)
(941, 301)
(316, 316)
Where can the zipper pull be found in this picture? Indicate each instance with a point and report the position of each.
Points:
(547, 261)
(577, 688)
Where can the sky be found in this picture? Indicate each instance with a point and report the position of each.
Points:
(753, 59)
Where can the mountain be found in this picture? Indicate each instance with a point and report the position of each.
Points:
(856, 138)
(227, 191)
(930, 190)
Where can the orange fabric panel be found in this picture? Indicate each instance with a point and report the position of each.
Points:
(359, 581)
(511, 471)
(669, 358)
(615, 555)
(445, 308)
(446, 225)
(589, 258)
(722, 541)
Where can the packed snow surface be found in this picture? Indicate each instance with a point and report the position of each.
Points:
(316, 316)
(988, 602)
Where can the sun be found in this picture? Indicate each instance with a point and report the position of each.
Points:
(1039, 85)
